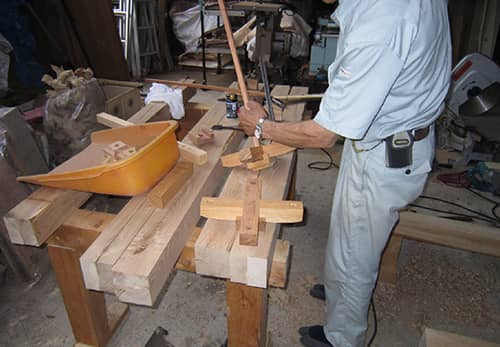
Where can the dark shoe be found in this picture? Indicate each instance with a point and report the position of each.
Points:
(313, 336)
(318, 291)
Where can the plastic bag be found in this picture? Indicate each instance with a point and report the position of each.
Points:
(70, 118)
(170, 96)
(187, 24)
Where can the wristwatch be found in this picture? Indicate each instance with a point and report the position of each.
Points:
(258, 128)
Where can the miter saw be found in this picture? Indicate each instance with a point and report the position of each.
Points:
(473, 110)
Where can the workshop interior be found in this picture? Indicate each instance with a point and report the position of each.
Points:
(136, 211)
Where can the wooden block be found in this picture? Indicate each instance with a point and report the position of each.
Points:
(170, 184)
(272, 150)
(121, 100)
(192, 154)
(262, 164)
(186, 259)
(281, 263)
(437, 338)
(202, 138)
(249, 229)
(246, 315)
(38, 216)
(251, 154)
(271, 211)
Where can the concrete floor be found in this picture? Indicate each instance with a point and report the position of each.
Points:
(437, 287)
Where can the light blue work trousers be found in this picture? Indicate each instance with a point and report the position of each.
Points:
(365, 209)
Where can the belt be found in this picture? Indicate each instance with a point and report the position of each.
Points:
(418, 135)
(421, 134)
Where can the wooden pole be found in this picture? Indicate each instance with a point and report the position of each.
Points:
(236, 60)
(203, 86)
(234, 53)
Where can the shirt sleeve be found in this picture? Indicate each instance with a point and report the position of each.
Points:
(360, 81)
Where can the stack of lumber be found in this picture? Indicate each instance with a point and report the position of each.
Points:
(218, 251)
(134, 255)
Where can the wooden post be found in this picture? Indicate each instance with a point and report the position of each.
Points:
(91, 321)
(389, 263)
(246, 315)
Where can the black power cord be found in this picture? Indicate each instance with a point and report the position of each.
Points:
(323, 165)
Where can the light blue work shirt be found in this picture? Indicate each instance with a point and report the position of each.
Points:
(392, 69)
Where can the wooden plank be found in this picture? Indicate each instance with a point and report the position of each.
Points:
(92, 321)
(170, 184)
(155, 111)
(471, 237)
(437, 338)
(251, 265)
(187, 151)
(34, 219)
(144, 266)
(272, 211)
(249, 226)
(89, 220)
(246, 315)
(186, 259)
(111, 121)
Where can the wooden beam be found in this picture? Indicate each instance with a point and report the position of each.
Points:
(187, 152)
(272, 211)
(471, 237)
(34, 219)
(249, 226)
(281, 263)
(246, 315)
(170, 184)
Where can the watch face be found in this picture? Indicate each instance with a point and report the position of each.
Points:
(258, 131)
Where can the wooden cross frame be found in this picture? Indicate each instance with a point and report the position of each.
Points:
(256, 158)
(251, 211)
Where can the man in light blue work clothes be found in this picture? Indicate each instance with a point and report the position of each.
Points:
(386, 89)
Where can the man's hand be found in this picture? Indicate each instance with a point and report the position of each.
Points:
(250, 117)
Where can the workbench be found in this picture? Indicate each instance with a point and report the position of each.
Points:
(131, 254)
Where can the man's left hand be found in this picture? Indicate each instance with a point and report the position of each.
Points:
(250, 117)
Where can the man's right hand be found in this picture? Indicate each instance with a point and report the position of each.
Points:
(250, 116)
